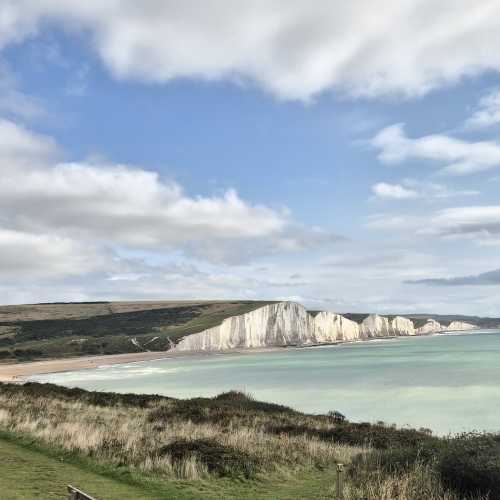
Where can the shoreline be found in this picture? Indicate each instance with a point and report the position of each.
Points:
(21, 372)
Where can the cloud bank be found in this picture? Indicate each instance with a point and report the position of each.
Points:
(483, 279)
(69, 218)
(294, 49)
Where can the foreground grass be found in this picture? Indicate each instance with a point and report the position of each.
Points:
(232, 446)
(33, 472)
(27, 474)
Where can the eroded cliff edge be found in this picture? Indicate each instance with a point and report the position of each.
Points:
(289, 323)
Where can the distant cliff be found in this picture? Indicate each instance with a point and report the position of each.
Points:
(289, 323)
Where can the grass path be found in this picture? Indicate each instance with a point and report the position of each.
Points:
(28, 474)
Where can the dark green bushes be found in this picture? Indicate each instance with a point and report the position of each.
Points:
(375, 435)
(233, 396)
(221, 460)
(470, 464)
(221, 409)
(110, 399)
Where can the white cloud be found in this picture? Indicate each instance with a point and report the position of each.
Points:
(20, 148)
(487, 113)
(119, 205)
(478, 222)
(294, 49)
(393, 191)
(459, 157)
(36, 256)
(411, 189)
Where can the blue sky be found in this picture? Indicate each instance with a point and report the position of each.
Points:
(157, 152)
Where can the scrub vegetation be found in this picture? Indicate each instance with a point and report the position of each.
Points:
(233, 446)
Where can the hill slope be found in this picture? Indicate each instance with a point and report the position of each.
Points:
(58, 330)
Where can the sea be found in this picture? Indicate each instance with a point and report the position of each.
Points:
(449, 383)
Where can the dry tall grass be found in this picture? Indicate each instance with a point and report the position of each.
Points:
(230, 435)
(124, 435)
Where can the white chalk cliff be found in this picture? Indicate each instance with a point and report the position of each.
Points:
(458, 326)
(289, 323)
(432, 326)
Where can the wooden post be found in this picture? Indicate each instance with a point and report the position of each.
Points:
(76, 494)
(340, 481)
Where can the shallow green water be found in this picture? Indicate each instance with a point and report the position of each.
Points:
(448, 383)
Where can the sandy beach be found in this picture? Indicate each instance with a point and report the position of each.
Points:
(18, 372)
(15, 372)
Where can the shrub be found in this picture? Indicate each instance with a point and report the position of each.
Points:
(221, 460)
(219, 410)
(336, 417)
(233, 396)
(364, 434)
(470, 464)
(109, 399)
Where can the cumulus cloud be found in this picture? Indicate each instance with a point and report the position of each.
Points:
(21, 148)
(411, 189)
(487, 113)
(294, 49)
(482, 279)
(34, 256)
(108, 205)
(459, 157)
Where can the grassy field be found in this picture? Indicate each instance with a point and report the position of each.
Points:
(229, 447)
(41, 331)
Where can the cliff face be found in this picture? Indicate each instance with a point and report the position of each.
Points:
(331, 327)
(285, 323)
(403, 326)
(288, 323)
(432, 326)
(457, 326)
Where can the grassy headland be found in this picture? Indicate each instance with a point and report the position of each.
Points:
(233, 446)
(59, 330)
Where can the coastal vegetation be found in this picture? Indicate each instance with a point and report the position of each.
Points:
(234, 446)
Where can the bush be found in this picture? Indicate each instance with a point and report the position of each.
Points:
(470, 464)
(221, 460)
(363, 434)
(110, 399)
(233, 396)
(218, 410)
(336, 417)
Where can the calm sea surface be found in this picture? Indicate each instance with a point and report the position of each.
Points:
(448, 383)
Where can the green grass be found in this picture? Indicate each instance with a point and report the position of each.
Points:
(27, 474)
(30, 472)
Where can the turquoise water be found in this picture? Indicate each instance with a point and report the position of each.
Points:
(448, 383)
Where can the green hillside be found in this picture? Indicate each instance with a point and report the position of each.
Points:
(58, 330)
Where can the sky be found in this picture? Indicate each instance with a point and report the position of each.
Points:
(325, 152)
